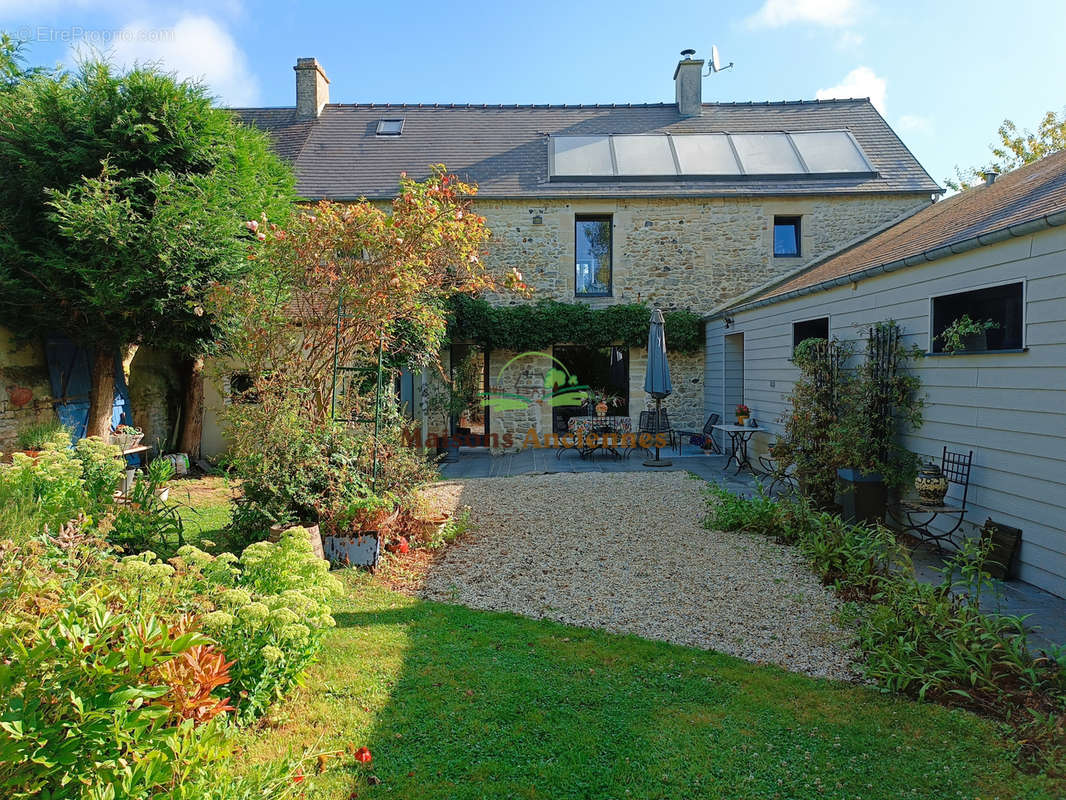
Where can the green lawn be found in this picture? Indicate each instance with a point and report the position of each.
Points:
(456, 703)
(204, 505)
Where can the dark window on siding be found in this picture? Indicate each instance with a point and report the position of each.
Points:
(1001, 304)
(809, 329)
(786, 237)
(592, 256)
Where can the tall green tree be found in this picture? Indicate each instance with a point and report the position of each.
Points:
(1016, 148)
(123, 198)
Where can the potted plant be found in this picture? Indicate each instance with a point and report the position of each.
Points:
(126, 437)
(743, 412)
(32, 440)
(874, 403)
(600, 400)
(966, 335)
(358, 527)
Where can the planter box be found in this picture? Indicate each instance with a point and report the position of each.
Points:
(1001, 557)
(313, 534)
(861, 496)
(357, 550)
(126, 441)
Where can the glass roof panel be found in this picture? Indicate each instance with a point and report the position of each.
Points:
(644, 155)
(830, 151)
(581, 156)
(766, 154)
(705, 154)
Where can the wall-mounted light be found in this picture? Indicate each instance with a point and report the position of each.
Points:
(729, 322)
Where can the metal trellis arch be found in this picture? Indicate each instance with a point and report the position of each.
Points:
(351, 370)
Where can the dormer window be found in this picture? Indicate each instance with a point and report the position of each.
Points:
(390, 127)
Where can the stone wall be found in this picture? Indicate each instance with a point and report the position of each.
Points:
(25, 391)
(677, 253)
(155, 396)
(154, 391)
(674, 253)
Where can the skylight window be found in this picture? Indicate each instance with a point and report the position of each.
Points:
(688, 156)
(390, 127)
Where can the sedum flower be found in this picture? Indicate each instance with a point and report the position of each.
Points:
(284, 616)
(295, 632)
(271, 654)
(255, 613)
(235, 598)
(217, 620)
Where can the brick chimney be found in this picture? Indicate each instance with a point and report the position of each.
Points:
(312, 88)
(688, 84)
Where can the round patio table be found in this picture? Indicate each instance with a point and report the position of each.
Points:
(739, 435)
(580, 429)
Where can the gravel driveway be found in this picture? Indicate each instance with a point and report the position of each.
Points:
(626, 552)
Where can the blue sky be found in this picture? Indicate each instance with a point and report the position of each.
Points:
(943, 72)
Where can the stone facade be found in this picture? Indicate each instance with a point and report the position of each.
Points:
(678, 252)
(22, 367)
(675, 253)
(155, 395)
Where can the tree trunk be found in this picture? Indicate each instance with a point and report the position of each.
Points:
(101, 393)
(192, 412)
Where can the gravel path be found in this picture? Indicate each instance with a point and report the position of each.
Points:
(626, 552)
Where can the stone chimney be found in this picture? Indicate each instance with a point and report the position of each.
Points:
(688, 84)
(312, 88)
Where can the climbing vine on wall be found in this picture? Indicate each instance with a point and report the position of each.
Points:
(537, 326)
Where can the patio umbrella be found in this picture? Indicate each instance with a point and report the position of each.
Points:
(657, 377)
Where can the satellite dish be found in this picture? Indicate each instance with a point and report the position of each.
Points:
(715, 64)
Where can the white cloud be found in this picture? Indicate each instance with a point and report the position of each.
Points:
(831, 13)
(860, 82)
(195, 47)
(914, 123)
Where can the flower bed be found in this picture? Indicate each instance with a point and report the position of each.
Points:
(932, 642)
(129, 674)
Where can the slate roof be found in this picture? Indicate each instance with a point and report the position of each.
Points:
(504, 149)
(1023, 195)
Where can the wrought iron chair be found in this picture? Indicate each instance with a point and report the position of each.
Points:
(777, 471)
(955, 466)
(707, 433)
(648, 424)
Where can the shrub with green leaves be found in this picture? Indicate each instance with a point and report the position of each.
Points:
(57, 485)
(36, 436)
(270, 612)
(929, 641)
(91, 704)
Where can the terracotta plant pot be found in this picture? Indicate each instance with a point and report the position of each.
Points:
(313, 534)
(601, 409)
(742, 420)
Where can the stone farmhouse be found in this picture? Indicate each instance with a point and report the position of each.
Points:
(678, 205)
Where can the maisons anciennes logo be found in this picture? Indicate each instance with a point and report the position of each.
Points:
(557, 388)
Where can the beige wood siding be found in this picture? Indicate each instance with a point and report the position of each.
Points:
(1010, 408)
